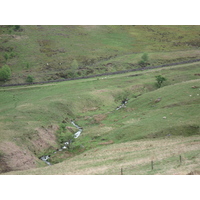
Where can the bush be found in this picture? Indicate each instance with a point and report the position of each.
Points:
(144, 60)
(5, 73)
(16, 27)
(160, 80)
(141, 62)
(145, 57)
(12, 55)
(65, 136)
(121, 96)
(29, 79)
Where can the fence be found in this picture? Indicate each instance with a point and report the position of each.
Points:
(153, 167)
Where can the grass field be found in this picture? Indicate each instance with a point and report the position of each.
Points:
(47, 52)
(133, 157)
(112, 139)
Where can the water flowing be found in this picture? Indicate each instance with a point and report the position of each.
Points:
(45, 158)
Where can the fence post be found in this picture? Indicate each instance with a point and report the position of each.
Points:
(180, 159)
(121, 171)
(152, 165)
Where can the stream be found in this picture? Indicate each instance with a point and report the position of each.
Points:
(45, 158)
(124, 102)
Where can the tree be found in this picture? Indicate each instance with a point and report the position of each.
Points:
(160, 80)
(144, 60)
(145, 57)
(64, 136)
(29, 79)
(5, 73)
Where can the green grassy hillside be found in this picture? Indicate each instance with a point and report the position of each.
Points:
(130, 137)
(47, 52)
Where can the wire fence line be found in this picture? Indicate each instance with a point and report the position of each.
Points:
(153, 165)
(104, 74)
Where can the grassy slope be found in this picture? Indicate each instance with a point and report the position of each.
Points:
(92, 103)
(134, 157)
(93, 47)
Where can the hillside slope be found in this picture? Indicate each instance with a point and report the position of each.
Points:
(30, 116)
(48, 52)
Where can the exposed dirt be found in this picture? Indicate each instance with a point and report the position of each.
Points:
(14, 158)
(18, 37)
(99, 118)
(89, 109)
(3, 165)
(44, 138)
(106, 143)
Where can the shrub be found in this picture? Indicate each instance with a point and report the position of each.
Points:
(65, 136)
(29, 79)
(5, 73)
(121, 96)
(141, 62)
(144, 60)
(160, 80)
(145, 57)
(12, 55)
(16, 27)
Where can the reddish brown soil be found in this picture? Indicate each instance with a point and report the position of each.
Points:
(14, 157)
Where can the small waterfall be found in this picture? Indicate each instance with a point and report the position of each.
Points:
(124, 102)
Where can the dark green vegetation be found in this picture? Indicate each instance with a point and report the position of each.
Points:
(56, 52)
(5, 73)
(160, 80)
(158, 123)
(144, 60)
(29, 79)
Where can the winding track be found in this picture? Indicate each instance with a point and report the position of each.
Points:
(104, 74)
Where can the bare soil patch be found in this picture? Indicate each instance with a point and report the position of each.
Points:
(44, 138)
(14, 158)
(106, 143)
(99, 118)
(89, 109)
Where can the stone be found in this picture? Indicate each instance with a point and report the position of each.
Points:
(158, 100)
